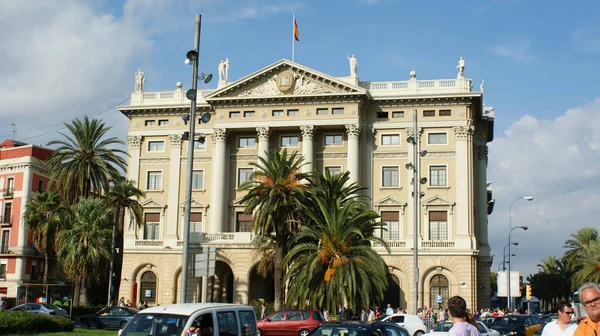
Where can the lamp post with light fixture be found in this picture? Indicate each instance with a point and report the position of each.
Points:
(529, 199)
(510, 299)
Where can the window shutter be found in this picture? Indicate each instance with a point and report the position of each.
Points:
(242, 217)
(390, 216)
(152, 218)
(196, 217)
(438, 216)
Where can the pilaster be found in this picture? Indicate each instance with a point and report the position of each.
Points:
(22, 233)
(134, 144)
(263, 141)
(308, 147)
(219, 182)
(463, 136)
(353, 132)
(172, 221)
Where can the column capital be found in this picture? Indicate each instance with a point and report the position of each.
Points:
(134, 141)
(353, 130)
(371, 135)
(219, 135)
(307, 131)
(482, 152)
(175, 140)
(263, 133)
(463, 132)
(410, 132)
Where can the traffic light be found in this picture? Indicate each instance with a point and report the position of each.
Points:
(528, 292)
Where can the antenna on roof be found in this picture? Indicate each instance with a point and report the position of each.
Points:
(13, 131)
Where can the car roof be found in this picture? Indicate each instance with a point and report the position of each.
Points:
(189, 308)
(360, 323)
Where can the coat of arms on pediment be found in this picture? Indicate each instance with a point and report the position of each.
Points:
(285, 78)
(150, 203)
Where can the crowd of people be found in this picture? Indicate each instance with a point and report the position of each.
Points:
(123, 303)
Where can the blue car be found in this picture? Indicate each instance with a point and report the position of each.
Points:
(107, 318)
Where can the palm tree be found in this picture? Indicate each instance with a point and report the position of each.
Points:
(84, 162)
(85, 244)
(576, 256)
(44, 216)
(331, 261)
(276, 191)
(589, 270)
(123, 197)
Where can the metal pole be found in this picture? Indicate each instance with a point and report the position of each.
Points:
(416, 184)
(190, 168)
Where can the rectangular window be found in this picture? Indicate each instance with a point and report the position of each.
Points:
(277, 113)
(337, 110)
(445, 113)
(289, 141)
(235, 114)
(437, 176)
(243, 222)
(249, 114)
(246, 142)
(4, 242)
(228, 324)
(398, 114)
(390, 176)
(437, 138)
(10, 186)
(438, 225)
(334, 170)
(333, 139)
(198, 180)
(3, 271)
(244, 175)
(390, 139)
(163, 123)
(322, 111)
(391, 221)
(196, 222)
(150, 123)
(151, 226)
(154, 180)
(429, 113)
(40, 187)
(7, 213)
(382, 115)
(156, 146)
(292, 112)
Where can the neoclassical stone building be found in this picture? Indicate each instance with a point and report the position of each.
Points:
(338, 124)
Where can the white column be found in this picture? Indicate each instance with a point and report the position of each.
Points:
(172, 220)
(367, 161)
(482, 228)
(218, 216)
(353, 131)
(462, 136)
(134, 144)
(22, 233)
(263, 142)
(308, 148)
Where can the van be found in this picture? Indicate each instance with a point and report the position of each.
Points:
(210, 319)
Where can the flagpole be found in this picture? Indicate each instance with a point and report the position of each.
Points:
(293, 33)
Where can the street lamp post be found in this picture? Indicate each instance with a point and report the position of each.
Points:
(527, 198)
(504, 255)
(510, 300)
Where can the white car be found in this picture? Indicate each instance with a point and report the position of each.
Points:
(441, 329)
(412, 323)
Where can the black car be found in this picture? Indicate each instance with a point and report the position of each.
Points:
(489, 321)
(518, 325)
(107, 318)
(356, 328)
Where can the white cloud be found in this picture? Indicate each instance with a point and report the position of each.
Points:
(556, 161)
(518, 50)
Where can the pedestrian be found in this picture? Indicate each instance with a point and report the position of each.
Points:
(364, 316)
(389, 310)
(589, 293)
(563, 325)
(263, 309)
(371, 315)
(441, 315)
(326, 315)
(122, 302)
(348, 314)
(3, 304)
(461, 324)
(377, 312)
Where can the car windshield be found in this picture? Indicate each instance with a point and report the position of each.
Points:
(155, 325)
(443, 326)
(333, 330)
(508, 320)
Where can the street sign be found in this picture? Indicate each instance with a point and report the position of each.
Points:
(205, 262)
(438, 299)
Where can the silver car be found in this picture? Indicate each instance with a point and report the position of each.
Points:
(40, 308)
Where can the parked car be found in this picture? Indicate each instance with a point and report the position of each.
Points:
(489, 320)
(355, 328)
(411, 322)
(441, 329)
(107, 318)
(40, 308)
(207, 318)
(290, 323)
(518, 325)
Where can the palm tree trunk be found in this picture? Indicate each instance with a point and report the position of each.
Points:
(111, 277)
(278, 262)
(76, 293)
(118, 260)
(47, 252)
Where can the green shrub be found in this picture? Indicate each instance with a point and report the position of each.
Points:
(27, 323)
(257, 308)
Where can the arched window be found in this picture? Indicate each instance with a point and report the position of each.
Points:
(439, 287)
(148, 287)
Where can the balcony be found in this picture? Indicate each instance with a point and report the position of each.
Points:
(4, 249)
(7, 192)
(390, 243)
(418, 87)
(176, 97)
(148, 243)
(5, 221)
(437, 244)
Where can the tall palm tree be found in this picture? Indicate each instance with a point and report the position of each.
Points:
(85, 244)
(276, 191)
(123, 196)
(44, 216)
(576, 254)
(331, 260)
(589, 270)
(84, 161)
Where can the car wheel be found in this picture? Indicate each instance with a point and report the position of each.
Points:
(304, 332)
(123, 324)
(259, 333)
(85, 324)
(419, 333)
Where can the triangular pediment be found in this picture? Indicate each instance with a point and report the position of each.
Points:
(150, 203)
(195, 204)
(437, 200)
(285, 79)
(237, 202)
(389, 201)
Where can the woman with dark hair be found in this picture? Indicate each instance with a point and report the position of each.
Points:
(462, 322)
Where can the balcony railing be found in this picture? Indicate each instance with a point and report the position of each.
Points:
(5, 220)
(7, 192)
(2, 275)
(391, 243)
(437, 244)
(412, 87)
(4, 249)
(148, 243)
(176, 97)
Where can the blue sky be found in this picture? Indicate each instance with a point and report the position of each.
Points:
(61, 59)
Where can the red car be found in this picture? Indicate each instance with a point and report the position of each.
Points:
(290, 323)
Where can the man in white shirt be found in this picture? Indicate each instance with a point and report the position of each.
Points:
(563, 326)
(389, 310)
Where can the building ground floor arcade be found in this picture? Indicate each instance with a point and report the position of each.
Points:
(154, 276)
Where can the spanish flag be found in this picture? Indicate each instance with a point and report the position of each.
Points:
(296, 32)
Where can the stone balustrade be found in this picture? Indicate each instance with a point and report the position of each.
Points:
(437, 244)
(417, 87)
(176, 97)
